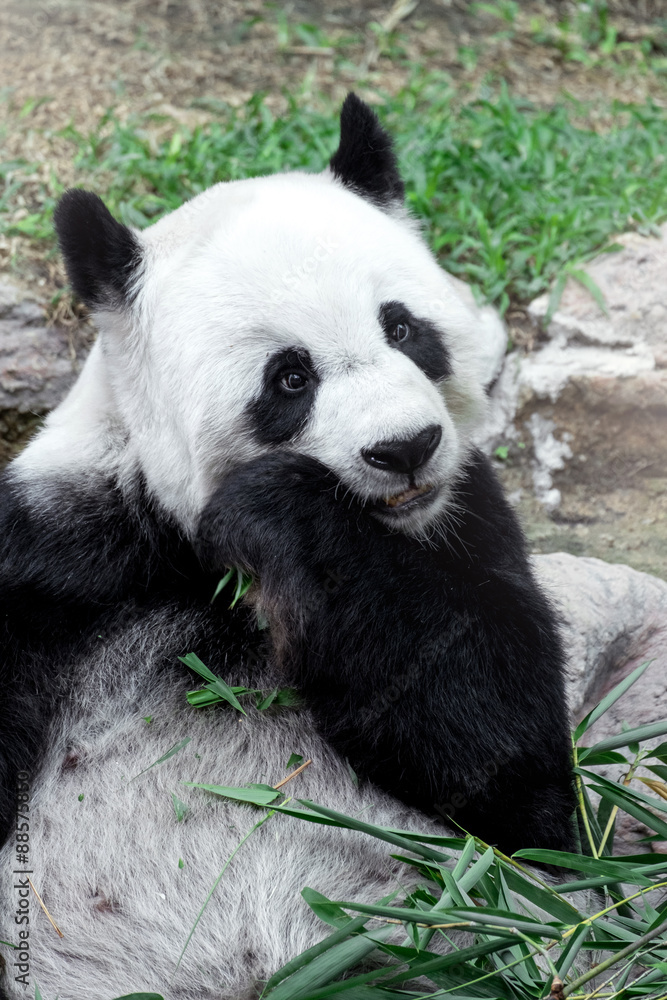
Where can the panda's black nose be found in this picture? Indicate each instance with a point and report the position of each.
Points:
(405, 455)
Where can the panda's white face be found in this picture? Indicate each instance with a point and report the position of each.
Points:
(282, 312)
(289, 312)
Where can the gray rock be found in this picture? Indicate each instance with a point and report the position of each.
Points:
(10, 296)
(596, 391)
(37, 367)
(632, 284)
(615, 619)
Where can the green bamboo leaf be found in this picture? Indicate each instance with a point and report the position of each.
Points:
(550, 901)
(605, 757)
(136, 996)
(569, 954)
(609, 699)
(352, 823)
(170, 753)
(192, 661)
(481, 917)
(264, 703)
(350, 926)
(257, 795)
(223, 583)
(634, 809)
(617, 869)
(330, 964)
(180, 808)
(632, 794)
(638, 735)
(425, 964)
(660, 752)
(330, 913)
(555, 297)
(216, 684)
(243, 585)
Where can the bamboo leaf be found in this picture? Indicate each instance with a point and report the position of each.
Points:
(170, 753)
(638, 735)
(223, 583)
(216, 684)
(323, 968)
(609, 699)
(351, 926)
(381, 833)
(257, 795)
(634, 809)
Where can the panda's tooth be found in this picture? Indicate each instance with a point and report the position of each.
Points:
(400, 498)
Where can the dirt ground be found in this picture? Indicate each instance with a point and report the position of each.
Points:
(65, 62)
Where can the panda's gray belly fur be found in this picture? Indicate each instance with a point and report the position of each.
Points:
(107, 865)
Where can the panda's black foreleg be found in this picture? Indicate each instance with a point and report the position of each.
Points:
(436, 669)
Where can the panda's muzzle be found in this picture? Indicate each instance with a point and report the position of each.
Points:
(405, 456)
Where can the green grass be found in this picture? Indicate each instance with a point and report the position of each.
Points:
(512, 197)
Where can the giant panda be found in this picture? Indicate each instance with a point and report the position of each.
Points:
(285, 382)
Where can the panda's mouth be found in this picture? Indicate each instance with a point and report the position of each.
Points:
(412, 497)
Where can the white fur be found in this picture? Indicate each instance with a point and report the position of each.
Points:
(107, 866)
(242, 270)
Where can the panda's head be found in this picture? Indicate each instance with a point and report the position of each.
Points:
(297, 311)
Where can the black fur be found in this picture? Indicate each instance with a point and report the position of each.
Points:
(365, 160)
(277, 415)
(102, 256)
(424, 344)
(437, 669)
(71, 571)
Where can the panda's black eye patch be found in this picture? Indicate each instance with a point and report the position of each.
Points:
(419, 339)
(282, 407)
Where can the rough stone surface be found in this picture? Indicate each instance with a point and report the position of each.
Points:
(37, 367)
(582, 417)
(600, 379)
(614, 620)
(632, 282)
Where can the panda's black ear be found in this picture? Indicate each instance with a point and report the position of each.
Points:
(365, 159)
(101, 254)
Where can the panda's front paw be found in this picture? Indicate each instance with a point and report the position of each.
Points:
(263, 519)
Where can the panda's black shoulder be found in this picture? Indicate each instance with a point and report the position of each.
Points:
(86, 542)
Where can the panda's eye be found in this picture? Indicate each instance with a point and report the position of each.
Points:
(293, 381)
(400, 332)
